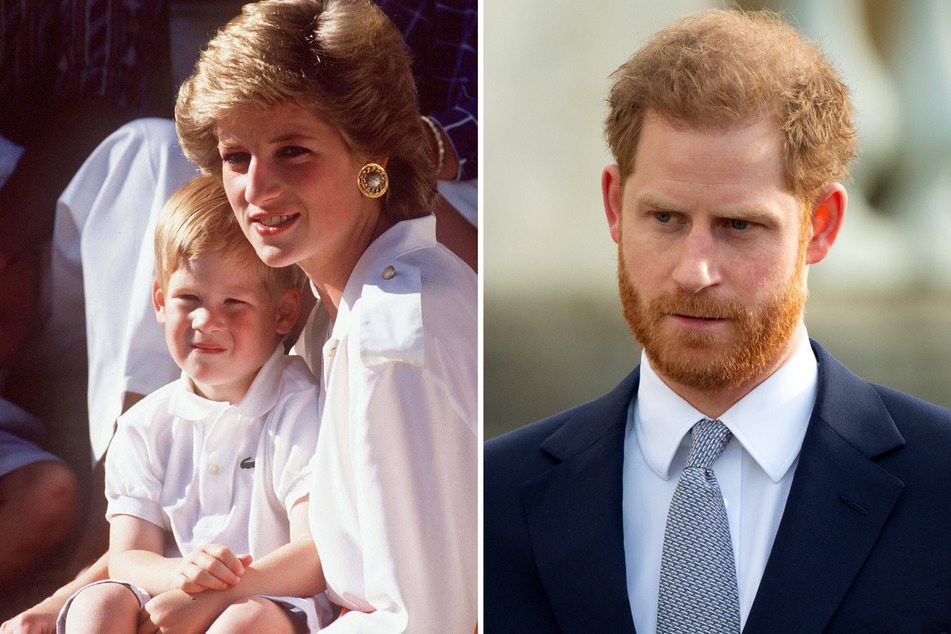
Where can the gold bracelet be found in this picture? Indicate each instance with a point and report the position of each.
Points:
(439, 144)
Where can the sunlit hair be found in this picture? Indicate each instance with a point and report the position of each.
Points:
(342, 59)
(723, 68)
(197, 220)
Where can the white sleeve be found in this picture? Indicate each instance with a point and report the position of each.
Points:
(291, 445)
(105, 223)
(134, 476)
(413, 469)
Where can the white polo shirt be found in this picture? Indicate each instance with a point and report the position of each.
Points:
(394, 501)
(207, 471)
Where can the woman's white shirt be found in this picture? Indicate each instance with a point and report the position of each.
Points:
(394, 498)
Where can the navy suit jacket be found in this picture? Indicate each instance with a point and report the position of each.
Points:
(864, 544)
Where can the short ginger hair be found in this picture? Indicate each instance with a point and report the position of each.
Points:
(198, 220)
(341, 59)
(723, 68)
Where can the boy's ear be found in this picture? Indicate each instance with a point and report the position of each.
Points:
(158, 302)
(287, 310)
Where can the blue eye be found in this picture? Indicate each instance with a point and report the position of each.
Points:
(739, 225)
(663, 216)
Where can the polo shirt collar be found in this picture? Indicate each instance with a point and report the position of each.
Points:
(261, 397)
(770, 422)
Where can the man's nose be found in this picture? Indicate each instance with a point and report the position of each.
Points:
(696, 267)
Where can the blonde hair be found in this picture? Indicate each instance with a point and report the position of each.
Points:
(342, 59)
(722, 68)
(198, 220)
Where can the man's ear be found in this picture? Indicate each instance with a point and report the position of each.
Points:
(158, 302)
(611, 193)
(287, 310)
(828, 214)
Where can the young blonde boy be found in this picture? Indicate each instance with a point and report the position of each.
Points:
(207, 477)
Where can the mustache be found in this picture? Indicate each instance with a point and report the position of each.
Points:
(700, 306)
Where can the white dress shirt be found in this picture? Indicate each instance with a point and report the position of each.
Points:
(394, 504)
(754, 472)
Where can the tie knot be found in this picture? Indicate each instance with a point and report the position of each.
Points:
(710, 437)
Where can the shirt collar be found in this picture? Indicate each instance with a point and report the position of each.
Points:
(260, 399)
(404, 236)
(770, 422)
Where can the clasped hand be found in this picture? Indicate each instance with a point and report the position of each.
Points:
(210, 567)
(185, 609)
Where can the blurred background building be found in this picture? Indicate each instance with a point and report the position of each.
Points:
(554, 335)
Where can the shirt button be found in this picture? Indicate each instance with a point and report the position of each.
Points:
(214, 469)
(388, 273)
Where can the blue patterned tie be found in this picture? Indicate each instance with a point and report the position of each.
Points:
(698, 591)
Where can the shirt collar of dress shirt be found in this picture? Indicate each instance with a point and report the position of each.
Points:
(405, 235)
(770, 422)
(261, 397)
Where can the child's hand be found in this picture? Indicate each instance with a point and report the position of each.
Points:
(176, 611)
(210, 567)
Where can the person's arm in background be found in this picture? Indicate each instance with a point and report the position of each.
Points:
(443, 41)
(451, 103)
(41, 618)
(452, 228)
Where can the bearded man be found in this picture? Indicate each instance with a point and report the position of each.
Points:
(740, 478)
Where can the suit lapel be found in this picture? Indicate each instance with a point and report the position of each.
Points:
(839, 501)
(574, 516)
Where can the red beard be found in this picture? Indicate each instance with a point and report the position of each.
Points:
(712, 361)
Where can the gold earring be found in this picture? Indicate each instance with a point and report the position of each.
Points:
(372, 180)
